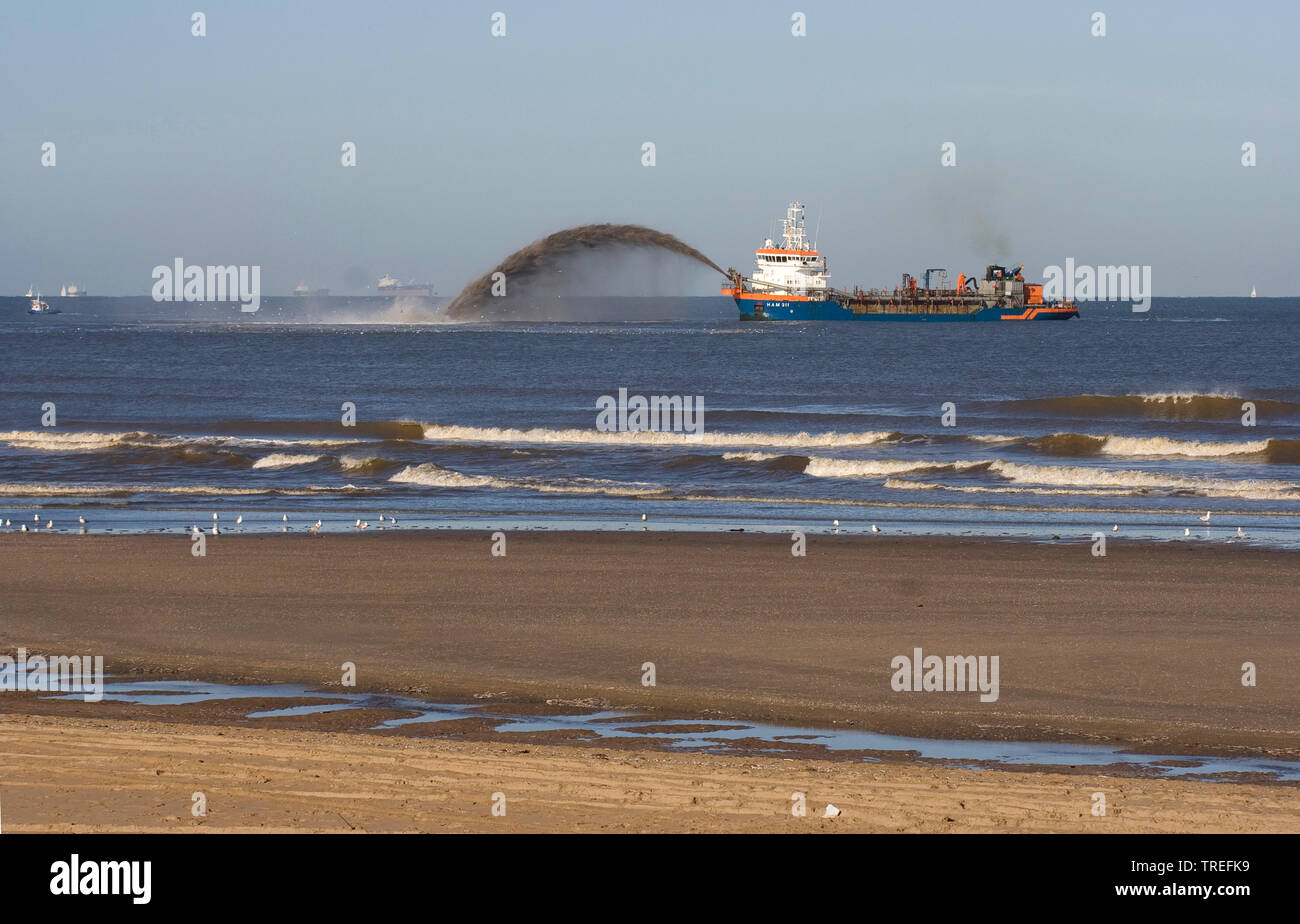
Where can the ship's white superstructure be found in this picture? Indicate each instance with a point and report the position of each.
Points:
(794, 266)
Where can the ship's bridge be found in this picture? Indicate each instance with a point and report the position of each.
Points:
(794, 266)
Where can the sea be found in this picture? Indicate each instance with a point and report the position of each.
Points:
(1179, 424)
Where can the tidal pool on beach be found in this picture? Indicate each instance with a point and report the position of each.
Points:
(706, 735)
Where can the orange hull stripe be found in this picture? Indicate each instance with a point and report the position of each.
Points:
(1031, 313)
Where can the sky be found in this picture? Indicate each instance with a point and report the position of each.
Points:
(226, 148)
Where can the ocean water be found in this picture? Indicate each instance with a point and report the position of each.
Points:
(1061, 428)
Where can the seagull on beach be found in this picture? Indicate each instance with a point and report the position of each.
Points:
(24, 527)
(214, 518)
(1241, 533)
(381, 518)
(358, 523)
(1115, 528)
(643, 518)
(239, 520)
(49, 524)
(81, 520)
(875, 528)
(285, 518)
(1187, 531)
(1206, 518)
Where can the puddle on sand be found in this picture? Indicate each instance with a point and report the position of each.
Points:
(690, 734)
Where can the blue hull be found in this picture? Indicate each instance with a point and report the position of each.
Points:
(830, 310)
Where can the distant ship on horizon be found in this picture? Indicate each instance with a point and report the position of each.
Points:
(71, 291)
(1252, 292)
(302, 289)
(390, 286)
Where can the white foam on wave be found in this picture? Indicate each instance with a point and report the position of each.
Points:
(822, 467)
(750, 456)
(93, 441)
(430, 474)
(1087, 476)
(542, 435)
(99, 490)
(435, 476)
(60, 441)
(903, 484)
(285, 460)
(1166, 446)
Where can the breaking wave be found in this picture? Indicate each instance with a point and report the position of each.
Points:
(819, 467)
(541, 435)
(1160, 405)
(429, 474)
(1083, 444)
(1074, 476)
(285, 460)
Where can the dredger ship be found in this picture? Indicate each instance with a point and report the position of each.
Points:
(791, 284)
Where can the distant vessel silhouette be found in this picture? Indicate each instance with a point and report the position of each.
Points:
(390, 286)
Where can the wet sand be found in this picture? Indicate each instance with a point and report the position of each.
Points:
(1143, 647)
(81, 775)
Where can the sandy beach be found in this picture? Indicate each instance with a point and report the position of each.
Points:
(95, 776)
(1142, 649)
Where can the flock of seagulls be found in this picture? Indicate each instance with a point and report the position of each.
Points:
(284, 520)
(392, 521)
(1187, 531)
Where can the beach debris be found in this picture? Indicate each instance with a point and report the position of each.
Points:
(831, 811)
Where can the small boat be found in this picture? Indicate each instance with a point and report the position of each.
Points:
(1252, 292)
(40, 307)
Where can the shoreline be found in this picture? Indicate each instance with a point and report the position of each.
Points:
(1158, 632)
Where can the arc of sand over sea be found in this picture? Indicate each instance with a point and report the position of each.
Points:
(523, 263)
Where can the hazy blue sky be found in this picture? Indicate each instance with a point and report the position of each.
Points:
(225, 149)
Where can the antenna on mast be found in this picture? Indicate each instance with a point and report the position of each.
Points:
(818, 235)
